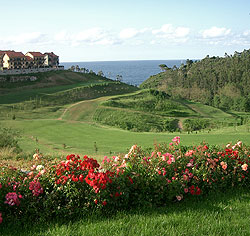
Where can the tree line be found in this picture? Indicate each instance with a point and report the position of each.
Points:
(222, 82)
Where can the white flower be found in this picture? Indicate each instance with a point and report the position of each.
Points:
(132, 148)
(39, 167)
(36, 156)
(239, 143)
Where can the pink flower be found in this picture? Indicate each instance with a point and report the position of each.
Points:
(189, 153)
(170, 144)
(244, 167)
(176, 140)
(0, 185)
(185, 177)
(12, 199)
(169, 161)
(186, 190)
(179, 198)
(158, 154)
(36, 188)
(1, 219)
(223, 165)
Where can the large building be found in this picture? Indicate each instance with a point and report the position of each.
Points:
(17, 60)
(51, 59)
(14, 60)
(37, 59)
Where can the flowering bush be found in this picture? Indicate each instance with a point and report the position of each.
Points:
(170, 173)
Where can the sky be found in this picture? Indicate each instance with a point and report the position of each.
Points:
(111, 30)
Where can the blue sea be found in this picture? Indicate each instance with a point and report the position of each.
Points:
(132, 72)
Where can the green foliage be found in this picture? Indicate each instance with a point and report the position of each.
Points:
(170, 174)
(135, 121)
(9, 139)
(196, 124)
(151, 101)
(220, 82)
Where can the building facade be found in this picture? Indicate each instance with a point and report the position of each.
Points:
(31, 60)
(51, 60)
(37, 60)
(14, 60)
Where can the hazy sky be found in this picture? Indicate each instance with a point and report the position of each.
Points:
(101, 30)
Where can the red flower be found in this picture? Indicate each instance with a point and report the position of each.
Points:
(130, 179)
(104, 203)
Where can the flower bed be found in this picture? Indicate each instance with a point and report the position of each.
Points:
(172, 172)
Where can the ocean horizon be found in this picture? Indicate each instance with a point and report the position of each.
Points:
(132, 71)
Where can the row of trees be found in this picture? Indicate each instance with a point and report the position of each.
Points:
(223, 82)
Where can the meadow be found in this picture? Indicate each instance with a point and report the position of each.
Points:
(65, 112)
(80, 137)
(56, 121)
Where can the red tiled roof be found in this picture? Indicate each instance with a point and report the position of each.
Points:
(51, 54)
(28, 58)
(12, 54)
(36, 54)
(3, 52)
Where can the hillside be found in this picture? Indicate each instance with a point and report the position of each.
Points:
(52, 90)
(155, 111)
(222, 82)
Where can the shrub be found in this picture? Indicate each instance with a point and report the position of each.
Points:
(196, 124)
(168, 174)
(8, 139)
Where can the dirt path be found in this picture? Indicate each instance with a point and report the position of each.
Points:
(68, 108)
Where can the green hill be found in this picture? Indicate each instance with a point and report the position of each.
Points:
(52, 90)
(222, 82)
(156, 111)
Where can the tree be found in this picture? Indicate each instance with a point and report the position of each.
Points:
(164, 67)
(83, 70)
(77, 68)
(100, 73)
(119, 78)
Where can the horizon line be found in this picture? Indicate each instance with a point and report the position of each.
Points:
(131, 60)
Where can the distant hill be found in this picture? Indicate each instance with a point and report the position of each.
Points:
(59, 88)
(222, 82)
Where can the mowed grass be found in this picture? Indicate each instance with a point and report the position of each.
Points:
(221, 213)
(79, 137)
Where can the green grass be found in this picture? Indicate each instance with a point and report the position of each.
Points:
(73, 123)
(79, 137)
(221, 213)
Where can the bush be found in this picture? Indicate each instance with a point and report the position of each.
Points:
(196, 124)
(8, 139)
(168, 174)
(135, 121)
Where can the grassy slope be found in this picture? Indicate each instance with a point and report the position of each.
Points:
(80, 137)
(224, 213)
(73, 125)
(128, 111)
